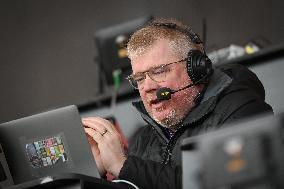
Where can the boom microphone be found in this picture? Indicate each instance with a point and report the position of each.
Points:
(165, 93)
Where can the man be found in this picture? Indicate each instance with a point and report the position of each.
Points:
(167, 55)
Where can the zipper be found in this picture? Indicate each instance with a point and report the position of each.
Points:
(173, 140)
(171, 144)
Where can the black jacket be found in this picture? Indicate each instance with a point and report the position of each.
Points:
(154, 160)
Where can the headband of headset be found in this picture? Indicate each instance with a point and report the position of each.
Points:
(192, 35)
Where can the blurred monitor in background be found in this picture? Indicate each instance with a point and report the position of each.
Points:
(247, 155)
(111, 45)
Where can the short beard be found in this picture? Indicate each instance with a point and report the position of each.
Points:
(172, 121)
(176, 116)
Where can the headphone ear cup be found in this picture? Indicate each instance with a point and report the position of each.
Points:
(199, 66)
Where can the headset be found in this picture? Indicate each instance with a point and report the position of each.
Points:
(199, 66)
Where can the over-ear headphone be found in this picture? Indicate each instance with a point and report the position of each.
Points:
(199, 66)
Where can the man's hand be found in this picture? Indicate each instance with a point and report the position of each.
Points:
(95, 151)
(106, 145)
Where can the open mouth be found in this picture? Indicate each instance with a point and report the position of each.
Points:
(155, 101)
(157, 105)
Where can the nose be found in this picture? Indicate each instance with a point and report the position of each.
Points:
(149, 84)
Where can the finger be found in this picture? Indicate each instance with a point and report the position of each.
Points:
(91, 123)
(99, 124)
(94, 148)
(105, 122)
(97, 137)
(90, 132)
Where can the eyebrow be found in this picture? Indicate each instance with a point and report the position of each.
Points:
(152, 67)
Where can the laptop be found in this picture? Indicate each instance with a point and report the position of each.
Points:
(46, 144)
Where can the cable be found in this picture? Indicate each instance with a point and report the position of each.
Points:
(127, 182)
(116, 84)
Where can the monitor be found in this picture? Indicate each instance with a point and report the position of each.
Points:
(245, 154)
(111, 45)
(46, 144)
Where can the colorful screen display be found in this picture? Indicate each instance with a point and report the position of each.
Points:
(46, 152)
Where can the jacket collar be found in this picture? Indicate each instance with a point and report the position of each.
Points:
(218, 82)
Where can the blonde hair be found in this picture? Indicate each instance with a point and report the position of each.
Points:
(180, 41)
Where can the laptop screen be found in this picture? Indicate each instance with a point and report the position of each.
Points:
(46, 144)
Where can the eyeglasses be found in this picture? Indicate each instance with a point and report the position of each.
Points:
(157, 74)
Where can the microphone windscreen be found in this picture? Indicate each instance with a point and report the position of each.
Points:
(164, 93)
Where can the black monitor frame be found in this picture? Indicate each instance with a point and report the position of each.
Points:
(248, 153)
(111, 43)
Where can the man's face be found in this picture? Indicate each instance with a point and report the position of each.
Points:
(169, 112)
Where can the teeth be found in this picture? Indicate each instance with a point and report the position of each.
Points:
(149, 100)
(159, 109)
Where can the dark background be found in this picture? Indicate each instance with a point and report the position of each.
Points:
(47, 47)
